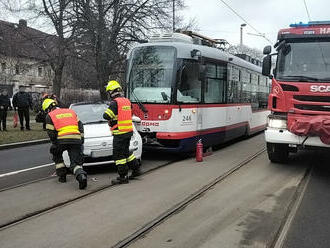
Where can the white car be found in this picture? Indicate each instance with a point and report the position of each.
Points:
(98, 145)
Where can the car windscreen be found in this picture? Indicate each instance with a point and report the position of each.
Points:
(90, 113)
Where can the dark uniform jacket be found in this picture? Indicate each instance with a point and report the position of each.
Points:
(52, 133)
(4, 102)
(22, 100)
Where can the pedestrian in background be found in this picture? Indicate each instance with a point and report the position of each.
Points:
(41, 116)
(66, 133)
(119, 116)
(4, 105)
(22, 101)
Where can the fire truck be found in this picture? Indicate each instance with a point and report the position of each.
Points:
(300, 96)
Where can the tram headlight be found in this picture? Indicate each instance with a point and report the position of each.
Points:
(277, 123)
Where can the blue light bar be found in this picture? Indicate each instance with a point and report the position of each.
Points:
(319, 23)
(300, 24)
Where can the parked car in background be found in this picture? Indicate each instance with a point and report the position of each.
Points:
(98, 145)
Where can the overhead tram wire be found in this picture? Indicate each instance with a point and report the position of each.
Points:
(243, 19)
(309, 17)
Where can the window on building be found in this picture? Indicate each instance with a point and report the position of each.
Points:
(3, 66)
(39, 71)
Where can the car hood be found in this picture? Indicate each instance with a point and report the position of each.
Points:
(97, 130)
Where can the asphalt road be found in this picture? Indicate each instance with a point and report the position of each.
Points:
(106, 217)
(247, 209)
(24, 157)
(311, 224)
(13, 160)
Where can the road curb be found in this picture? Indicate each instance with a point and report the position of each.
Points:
(25, 143)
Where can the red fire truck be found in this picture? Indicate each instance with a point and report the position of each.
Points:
(300, 96)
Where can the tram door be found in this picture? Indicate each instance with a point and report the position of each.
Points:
(190, 93)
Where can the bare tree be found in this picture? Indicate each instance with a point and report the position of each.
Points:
(110, 26)
(60, 13)
(253, 52)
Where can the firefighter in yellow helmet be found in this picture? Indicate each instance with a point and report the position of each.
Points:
(119, 116)
(66, 133)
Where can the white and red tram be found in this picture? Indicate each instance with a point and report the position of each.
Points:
(184, 91)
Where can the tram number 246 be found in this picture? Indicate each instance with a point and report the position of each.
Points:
(186, 118)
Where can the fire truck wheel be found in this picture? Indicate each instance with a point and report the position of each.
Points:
(277, 153)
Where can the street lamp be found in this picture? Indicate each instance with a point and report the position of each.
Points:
(241, 36)
(173, 16)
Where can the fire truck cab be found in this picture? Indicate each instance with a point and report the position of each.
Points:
(300, 96)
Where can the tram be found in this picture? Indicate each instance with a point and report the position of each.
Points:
(184, 88)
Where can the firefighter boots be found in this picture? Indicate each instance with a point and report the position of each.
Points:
(82, 179)
(135, 173)
(120, 180)
(62, 179)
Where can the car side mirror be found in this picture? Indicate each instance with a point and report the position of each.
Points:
(267, 50)
(136, 119)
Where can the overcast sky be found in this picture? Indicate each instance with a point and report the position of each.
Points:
(267, 16)
(216, 20)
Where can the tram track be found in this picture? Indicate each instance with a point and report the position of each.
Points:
(292, 210)
(130, 239)
(70, 201)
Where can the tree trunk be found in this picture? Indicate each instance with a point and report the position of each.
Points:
(57, 81)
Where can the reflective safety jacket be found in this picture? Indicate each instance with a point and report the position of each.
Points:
(119, 115)
(65, 123)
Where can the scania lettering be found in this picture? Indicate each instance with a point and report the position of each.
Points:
(185, 88)
(321, 88)
(300, 96)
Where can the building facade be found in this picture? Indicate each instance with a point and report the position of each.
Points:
(23, 58)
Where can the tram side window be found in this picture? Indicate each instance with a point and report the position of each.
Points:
(234, 86)
(246, 86)
(263, 92)
(189, 87)
(215, 83)
(254, 91)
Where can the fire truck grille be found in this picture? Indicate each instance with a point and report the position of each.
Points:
(312, 98)
(312, 107)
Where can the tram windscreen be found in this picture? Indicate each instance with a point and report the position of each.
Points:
(151, 74)
(304, 61)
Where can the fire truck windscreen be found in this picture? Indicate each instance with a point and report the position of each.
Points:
(301, 61)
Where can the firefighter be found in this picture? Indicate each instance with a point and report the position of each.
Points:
(119, 116)
(66, 133)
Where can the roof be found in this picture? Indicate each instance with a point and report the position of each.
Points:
(183, 50)
(19, 40)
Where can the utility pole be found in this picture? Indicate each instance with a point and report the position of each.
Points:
(241, 34)
(173, 15)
